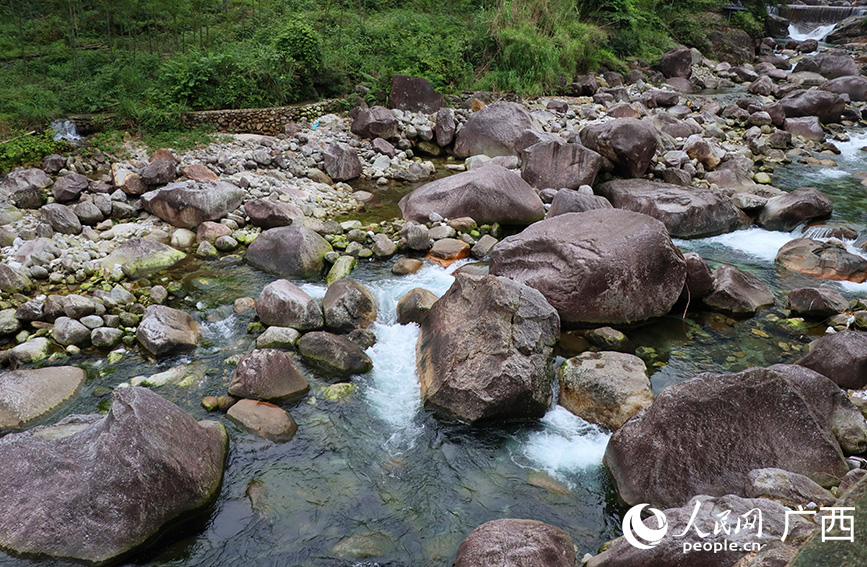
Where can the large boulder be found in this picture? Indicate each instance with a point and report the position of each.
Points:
(95, 487)
(375, 122)
(138, 257)
(686, 212)
(414, 94)
(854, 86)
(27, 396)
(786, 212)
(842, 357)
(676, 63)
(494, 130)
(13, 280)
(826, 105)
(851, 30)
(606, 388)
(720, 524)
(24, 187)
(284, 304)
(705, 435)
(415, 306)
(348, 305)
(268, 374)
(737, 291)
(569, 201)
(60, 218)
(187, 204)
(628, 143)
(289, 251)
(829, 64)
(488, 194)
(600, 266)
(159, 172)
(516, 543)
(558, 165)
(333, 356)
(164, 331)
(828, 260)
(69, 187)
(816, 302)
(341, 162)
(485, 351)
(807, 127)
(270, 214)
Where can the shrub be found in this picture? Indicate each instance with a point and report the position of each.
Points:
(23, 148)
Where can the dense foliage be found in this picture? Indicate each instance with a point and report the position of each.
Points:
(144, 60)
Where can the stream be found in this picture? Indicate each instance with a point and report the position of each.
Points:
(375, 480)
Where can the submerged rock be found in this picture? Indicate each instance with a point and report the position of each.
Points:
(92, 488)
(30, 395)
(485, 350)
(516, 543)
(265, 419)
(333, 356)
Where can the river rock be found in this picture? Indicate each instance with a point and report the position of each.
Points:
(375, 122)
(628, 143)
(705, 435)
(488, 194)
(30, 352)
(341, 162)
(494, 130)
(786, 212)
(267, 374)
(27, 396)
(829, 64)
(78, 306)
(415, 306)
(816, 302)
(569, 201)
(717, 518)
(414, 94)
(676, 63)
(105, 337)
(333, 356)
(9, 323)
(13, 280)
(558, 165)
(348, 305)
(70, 332)
(686, 212)
(159, 172)
(807, 127)
(24, 187)
(284, 304)
(187, 204)
(829, 260)
(289, 251)
(88, 213)
(445, 127)
(53, 163)
(270, 214)
(284, 338)
(265, 419)
(842, 357)
(737, 291)
(606, 388)
(92, 488)
(855, 86)
(69, 187)
(60, 218)
(787, 488)
(516, 543)
(826, 105)
(485, 351)
(165, 331)
(601, 266)
(699, 278)
(141, 256)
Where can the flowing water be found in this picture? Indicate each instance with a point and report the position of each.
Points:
(819, 33)
(375, 479)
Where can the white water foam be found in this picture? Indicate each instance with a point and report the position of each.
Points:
(819, 33)
(757, 242)
(567, 444)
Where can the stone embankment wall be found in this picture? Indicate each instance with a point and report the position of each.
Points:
(266, 121)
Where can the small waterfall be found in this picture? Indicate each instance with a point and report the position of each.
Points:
(818, 33)
(814, 22)
(66, 130)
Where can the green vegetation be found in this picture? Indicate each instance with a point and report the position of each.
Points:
(144, 61)
(23, 148)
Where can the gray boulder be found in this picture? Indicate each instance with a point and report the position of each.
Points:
(516, 543)
(737, 291)
(855, 86)
(187, 204)
(558, 165)
(60, 218)
(268, 374)
(24, 187)
(829, 64)
(842, 357)
(686, 212)
(27, 396)
(676, 63)
(95, 487)
(68, 331)
(488, 194)
(165, 331)
(699, 278)
(375, 122)
(807, 127)
(600, 266)
(138, 257)
(816, 302)
(569, 201)
(494, 130)
(414, 306)
(69, 187)
(284, 304)
(270, 214)
(485, 351)
(333, 356)
(341, 162)
(289, 251)
(12, 280)
(786, 212)
(787, 488)
(628, 143)
(826, 105)
(705, 435)
(347, 306)
(445, 127)
(159, 172)
(414, 94)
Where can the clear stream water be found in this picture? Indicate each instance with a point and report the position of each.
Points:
(375, 479)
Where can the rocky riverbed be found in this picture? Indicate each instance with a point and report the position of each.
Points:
(404, 323)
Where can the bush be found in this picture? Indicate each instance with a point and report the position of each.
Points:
(25, 149)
